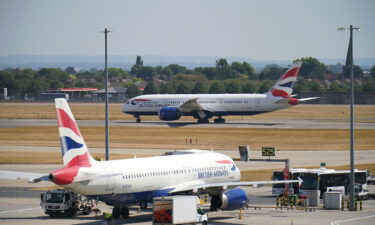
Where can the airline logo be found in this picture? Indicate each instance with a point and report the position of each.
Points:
(136, 101)
(284, 86)
(73, 147)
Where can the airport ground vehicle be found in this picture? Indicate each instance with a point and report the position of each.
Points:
(321, 179)
(180, 209)
(325, 179)
(62, 202)
(294, 173)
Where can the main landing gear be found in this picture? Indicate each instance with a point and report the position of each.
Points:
(219, 120)
(204, 120)
(137, 118)
(120, 211)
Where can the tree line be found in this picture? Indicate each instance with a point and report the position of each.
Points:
(224, 77)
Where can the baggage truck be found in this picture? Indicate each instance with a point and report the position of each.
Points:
(180, 209)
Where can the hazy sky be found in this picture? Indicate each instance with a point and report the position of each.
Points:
(264, 29)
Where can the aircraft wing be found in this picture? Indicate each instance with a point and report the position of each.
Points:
(228, 185)
(32, 177)
(192, 105)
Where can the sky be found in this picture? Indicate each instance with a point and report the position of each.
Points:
(259, 30)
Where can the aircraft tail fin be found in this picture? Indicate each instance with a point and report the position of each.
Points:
(284, 86)
(73, 148)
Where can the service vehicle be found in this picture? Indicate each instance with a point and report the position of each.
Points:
(60, 202)
(180, 209)
(294, 173)
(329, 179)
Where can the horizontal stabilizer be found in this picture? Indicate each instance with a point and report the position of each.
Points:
(307, 99)
(32, 177)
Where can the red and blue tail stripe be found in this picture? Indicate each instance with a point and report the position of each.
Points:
(284, 86)
(73, 147)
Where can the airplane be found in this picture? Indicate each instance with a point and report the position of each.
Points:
(125, 182)
(170, 107)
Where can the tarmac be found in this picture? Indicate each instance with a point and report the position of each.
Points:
(238, 123)
(25, 209)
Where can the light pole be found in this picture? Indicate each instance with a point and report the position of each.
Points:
(106, 98)
(349, 62)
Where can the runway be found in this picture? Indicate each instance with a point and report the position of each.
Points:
(248, 123)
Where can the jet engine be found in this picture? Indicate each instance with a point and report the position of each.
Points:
(169, 113)
(229, 200)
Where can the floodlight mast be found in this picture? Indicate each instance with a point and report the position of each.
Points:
(106, 97)
(350, 60)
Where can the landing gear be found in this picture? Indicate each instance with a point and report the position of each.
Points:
(137, 118)
(216, 202)
(125, 212)
(219, 120)
(116, 212)
(120, 211)
(204, 120)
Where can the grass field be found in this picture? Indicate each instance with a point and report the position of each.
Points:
(95, 111)
(207, 138)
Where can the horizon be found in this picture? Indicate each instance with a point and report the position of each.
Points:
(257, 30)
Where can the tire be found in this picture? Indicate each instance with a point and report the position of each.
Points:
(125, 212)
(204, 222)
(116, 212)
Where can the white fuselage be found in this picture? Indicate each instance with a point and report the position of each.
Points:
(131, 177)
(218, 104)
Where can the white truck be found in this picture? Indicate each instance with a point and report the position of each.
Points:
(62, 202)
(181, 209)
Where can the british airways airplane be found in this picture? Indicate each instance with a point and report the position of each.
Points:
(171, 107)
(126, 182)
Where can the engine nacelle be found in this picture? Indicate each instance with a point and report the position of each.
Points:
(169, 113)
(230, 200)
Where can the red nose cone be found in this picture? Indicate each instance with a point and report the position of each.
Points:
(64, 176)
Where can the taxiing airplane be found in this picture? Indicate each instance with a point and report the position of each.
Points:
(121, 183)
(171, 107)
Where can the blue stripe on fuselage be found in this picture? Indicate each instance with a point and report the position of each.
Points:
(130, 198)
(221, 113)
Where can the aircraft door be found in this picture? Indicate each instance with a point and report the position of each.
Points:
(110, 186)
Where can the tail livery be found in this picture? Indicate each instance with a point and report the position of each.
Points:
(73, 148)
(284, 86)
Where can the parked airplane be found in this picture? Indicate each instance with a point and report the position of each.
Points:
(129, 181)
(171, 107)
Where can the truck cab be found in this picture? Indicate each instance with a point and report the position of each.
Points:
(62, 202)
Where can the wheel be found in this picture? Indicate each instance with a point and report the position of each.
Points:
(86, 211)
(219, 120)
(204, 222)
(125, 212)
(138, 120)
(143, 205)
(116, 212)
(205, 120)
